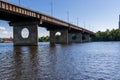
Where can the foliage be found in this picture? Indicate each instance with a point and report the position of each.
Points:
(113, 35)
(57, 37)
(44, 39)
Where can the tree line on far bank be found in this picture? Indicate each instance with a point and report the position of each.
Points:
(44, 39)
(108, 35)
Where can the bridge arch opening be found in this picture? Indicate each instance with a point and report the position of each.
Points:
(25, 33)
(58, 35)
(6, 32)
(43, 34)
(74, 36)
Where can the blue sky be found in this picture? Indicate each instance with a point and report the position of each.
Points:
(92, 14)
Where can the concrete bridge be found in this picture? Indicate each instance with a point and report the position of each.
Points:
(20, 18)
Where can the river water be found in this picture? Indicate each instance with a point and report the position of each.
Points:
(86, 61)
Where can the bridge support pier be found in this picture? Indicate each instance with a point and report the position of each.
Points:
(85, 37)
(63, 39)
(75, 37)
(32, 37)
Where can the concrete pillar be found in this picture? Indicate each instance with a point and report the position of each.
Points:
(86, 38)
(63, 38)
(32, 38)
(78, 38)
(52, 37)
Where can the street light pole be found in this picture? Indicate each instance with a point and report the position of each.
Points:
(68, 16)
(52, 8)
(119, 22)
(84, 24)
(77, 21)
(19, 2)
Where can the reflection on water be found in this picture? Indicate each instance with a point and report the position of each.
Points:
(87, 61)
(25, 62)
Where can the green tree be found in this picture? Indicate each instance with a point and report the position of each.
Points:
(44, 39)
(113, 35)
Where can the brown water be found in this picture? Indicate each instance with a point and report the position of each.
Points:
(86, 61)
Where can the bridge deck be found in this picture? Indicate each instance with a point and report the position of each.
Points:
(13, 13)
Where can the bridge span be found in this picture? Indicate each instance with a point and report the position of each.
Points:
(20, 17)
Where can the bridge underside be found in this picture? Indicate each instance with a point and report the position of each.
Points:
(67, 35)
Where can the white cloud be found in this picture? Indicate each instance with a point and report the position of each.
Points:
(2, 28)
(5, 33)
(42, 32)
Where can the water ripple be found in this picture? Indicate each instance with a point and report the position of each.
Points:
(87, 61)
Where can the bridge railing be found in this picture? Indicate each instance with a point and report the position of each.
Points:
(14, 8)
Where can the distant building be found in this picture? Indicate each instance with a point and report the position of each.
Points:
(7, 40)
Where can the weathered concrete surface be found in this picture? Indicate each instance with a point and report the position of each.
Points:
(63, 39)
(85, 38)
(78, 38)
(32, 38)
